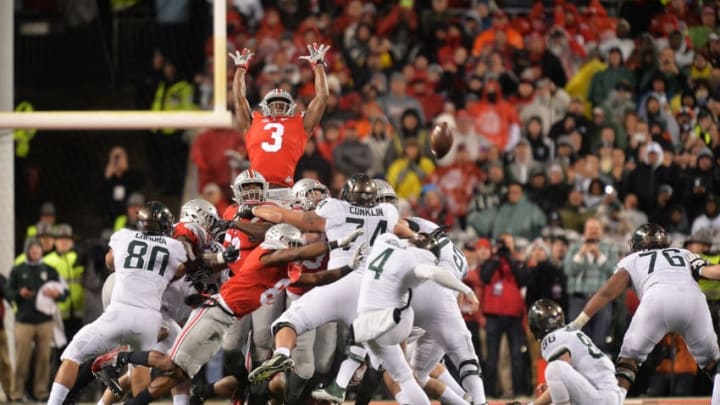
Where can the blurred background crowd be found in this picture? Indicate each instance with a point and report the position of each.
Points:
(574, 123)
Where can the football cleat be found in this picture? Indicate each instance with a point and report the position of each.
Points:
(276, 364)
(107, 368)
(332, 393)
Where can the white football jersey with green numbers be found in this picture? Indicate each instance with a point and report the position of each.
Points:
(389, 273)
(657, 266)
(144, 265)
(585, 357)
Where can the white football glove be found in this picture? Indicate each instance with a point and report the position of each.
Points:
(317, 53)
(696, 263)
(241, 59)
(359, 256)
(345, 240)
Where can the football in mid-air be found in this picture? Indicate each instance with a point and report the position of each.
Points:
(441, 140)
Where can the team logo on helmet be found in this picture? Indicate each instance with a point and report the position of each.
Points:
(249, 187)
(360, 190)
(277, 103)
(307, 193)
(649, 236)
(544, 317)
(200, 212)
(154, 218)
(385, 192)
(283, 236)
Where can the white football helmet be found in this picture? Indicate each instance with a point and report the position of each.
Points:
(201, 212)
(242, 194)
(277, 103)
(307, 193)
(283, 236)
(385, 192)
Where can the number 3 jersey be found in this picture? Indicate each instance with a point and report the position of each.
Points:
(585, 357)
(341, 218)
(275, 146)
(144, 265)
(255, 284)
(648, 268)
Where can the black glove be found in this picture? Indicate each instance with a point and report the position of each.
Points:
(223, 225)
(230, 254)
(244, 211)
(198, 278)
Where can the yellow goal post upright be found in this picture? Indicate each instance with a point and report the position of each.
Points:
(219, 116)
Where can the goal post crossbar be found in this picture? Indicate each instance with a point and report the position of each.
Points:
(219, 116)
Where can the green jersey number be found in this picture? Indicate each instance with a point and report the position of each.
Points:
(378, 263)
(135, 258)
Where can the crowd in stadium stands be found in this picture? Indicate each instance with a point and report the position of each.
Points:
(571, 128)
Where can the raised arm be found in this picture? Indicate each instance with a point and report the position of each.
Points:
(242, 106)
(282, 256)
(317, 105)
(306, 221)
(606, 294)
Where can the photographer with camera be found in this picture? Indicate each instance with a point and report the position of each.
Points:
(503, 306)
(588, 265)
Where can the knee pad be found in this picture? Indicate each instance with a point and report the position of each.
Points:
(234, 364)
(355, 352)
(279, 325)
(468, 368)
(626, 369)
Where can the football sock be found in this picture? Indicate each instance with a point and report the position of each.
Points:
(716, 390)
(57, 394)
(450, 397)
(448, 380)
(139, 358)
(143, 398)
(283, 350)
(181, 399)
(346, 372)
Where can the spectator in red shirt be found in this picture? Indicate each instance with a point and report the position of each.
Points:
(457, 181)
(211, 152)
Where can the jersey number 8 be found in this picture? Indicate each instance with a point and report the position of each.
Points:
(135, 258)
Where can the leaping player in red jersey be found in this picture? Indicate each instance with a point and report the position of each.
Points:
(275, 137)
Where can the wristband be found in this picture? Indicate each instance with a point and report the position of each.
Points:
(345, 270)
(332, 245)
(581, 319)
(701, 271)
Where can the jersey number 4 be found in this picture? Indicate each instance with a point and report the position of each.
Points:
(136, 256)
(276, 133)
(378, 263)
(674, 260)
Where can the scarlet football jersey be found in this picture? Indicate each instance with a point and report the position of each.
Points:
(313, 265)
(238, 239)
(275, 146)
(194, 233)
(254, 284)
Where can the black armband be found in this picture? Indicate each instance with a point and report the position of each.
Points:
(345, 270)
(332, 245)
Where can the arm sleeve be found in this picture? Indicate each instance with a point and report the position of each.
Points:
(442, 277)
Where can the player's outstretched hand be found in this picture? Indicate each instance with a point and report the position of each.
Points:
(470, 300)
(317, 53)
(696, 263)
(345, 240)
(241, 59)
(359, 256)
